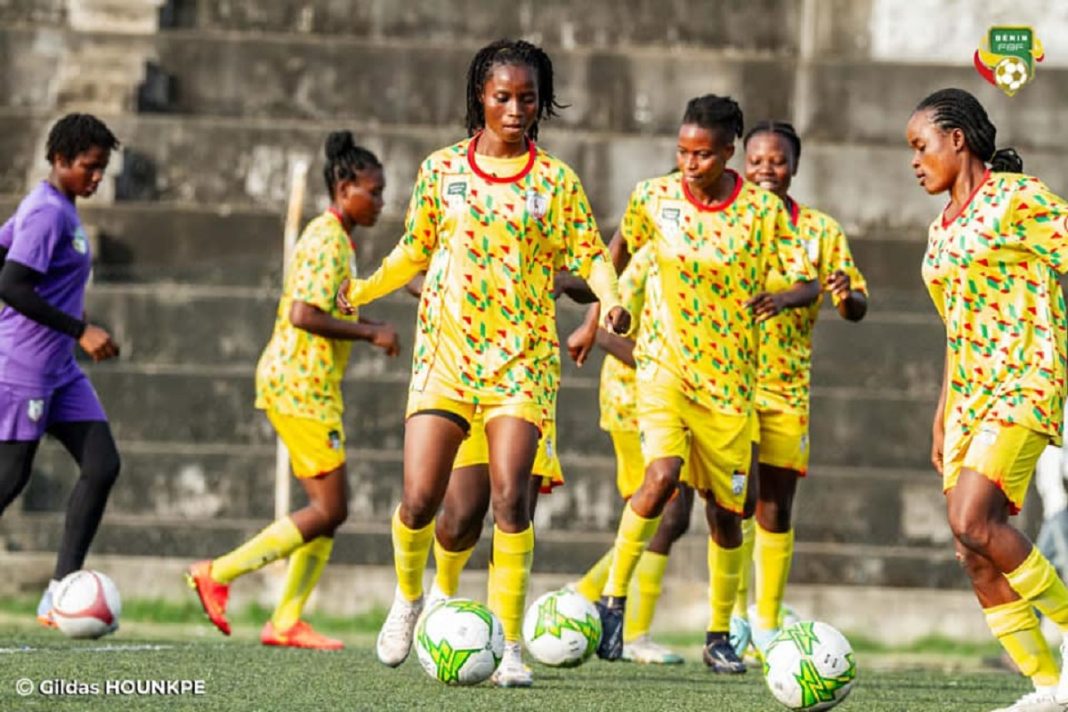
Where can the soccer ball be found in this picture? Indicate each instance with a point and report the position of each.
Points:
(562, 629)
(1011, 73)
(459, 642)
(86, 604)
(809, 666)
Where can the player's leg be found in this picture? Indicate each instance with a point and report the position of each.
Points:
(638, 645)
(16, 465)
(774, 548)
(513, 443)
(740, 630)
(459, 525)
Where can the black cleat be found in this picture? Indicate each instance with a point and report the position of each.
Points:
(611, 610)
(720, 657)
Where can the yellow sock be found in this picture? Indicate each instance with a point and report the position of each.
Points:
(411, 547)
(1038, 583)
(277, 541)
(512, 557)
(1016, 627)
(633, 536)
(773, 553)
(649, 576)
(724, 570)
(449, 565)
(741, 602)
(306, 565)
(491, 603)
(591, 585)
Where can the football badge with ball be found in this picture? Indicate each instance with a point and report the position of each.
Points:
(1007, 57)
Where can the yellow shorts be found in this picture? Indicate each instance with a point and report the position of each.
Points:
(315, 448)
(474, 450)
(630, 465)
(716, 447)
(1003, 453)
(783, 439)
(421, 401)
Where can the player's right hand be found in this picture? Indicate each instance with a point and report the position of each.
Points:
(385, 338)
(580, 343)
(97, 343)
(342, 299)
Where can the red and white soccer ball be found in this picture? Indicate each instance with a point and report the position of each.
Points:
(86, 604)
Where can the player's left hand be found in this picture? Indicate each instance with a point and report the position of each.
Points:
(580, 343)
(342, 299)
(766, 305)
(386, 339)
(839, 284)
(618, 321)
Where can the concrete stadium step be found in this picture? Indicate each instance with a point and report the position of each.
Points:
(855, 426)
(765, 26)
(220, 481)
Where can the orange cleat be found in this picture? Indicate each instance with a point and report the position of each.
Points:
(299, 635)
(47, 620)
(213, 595)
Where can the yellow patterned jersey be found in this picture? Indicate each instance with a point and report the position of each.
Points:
(992, 274)
(300, 373)
(710, 260)
(784, 375)
(618, 392)
(490, 234)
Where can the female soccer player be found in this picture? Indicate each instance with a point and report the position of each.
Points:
(717, 240)
(991, 267)
(492, 218)
(772, 152)
(298, 384)
(46, 263)
(618, 394)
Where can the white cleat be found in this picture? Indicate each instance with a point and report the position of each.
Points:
(512, 672)
(435, 597)
(644, 650)
(1037, 701)
(395, 638)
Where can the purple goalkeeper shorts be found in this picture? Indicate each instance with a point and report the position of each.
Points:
(26, 412)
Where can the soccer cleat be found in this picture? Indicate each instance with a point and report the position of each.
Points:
(740, 635)
(213, 595)
(299, 635)
(644, 650)
(435, 597)
(720, 657)
(611, 610)
(44, 607)
(395, 639)
(1037, 701)
(512, 672)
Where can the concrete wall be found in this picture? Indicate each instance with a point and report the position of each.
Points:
(214, 101)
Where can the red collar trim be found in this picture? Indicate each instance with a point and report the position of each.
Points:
(795, 210)
(497, 179)
(947, 221)
(336, 214)
(715, 207)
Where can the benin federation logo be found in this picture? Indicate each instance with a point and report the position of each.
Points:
(1007, 56)
(537, 204)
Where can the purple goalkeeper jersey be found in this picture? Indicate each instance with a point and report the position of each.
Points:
(45, 235)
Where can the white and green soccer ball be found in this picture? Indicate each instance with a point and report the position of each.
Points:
(562, 629)
(1011, 73)
(459, 642)
(809, 666)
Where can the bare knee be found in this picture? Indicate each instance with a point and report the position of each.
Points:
(724, 526)
(661, 480)
(971, 529)
(418, 508)
(676, 519)
(458, 531)
(772, 516)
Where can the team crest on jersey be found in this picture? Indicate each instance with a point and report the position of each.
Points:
(537, 204)
(456, 195)
(669, 220)
(35, 409)
(80, 243)
(813, 248)
(334, 440)
(738, 483)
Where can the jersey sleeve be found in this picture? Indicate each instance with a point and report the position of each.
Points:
(636, 227)
(319, 266)
(585, 253)
(1038, 222)
(837, 256)
(36, 236)
(633, 280)
(786, 252)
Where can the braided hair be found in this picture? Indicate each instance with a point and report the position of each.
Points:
(957, 109)
(781, 128)
(716, 113)
(77, 133)
(344, 159)
(515, 53)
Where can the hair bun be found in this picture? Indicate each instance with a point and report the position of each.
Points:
(338, 143)
(1006, 160)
